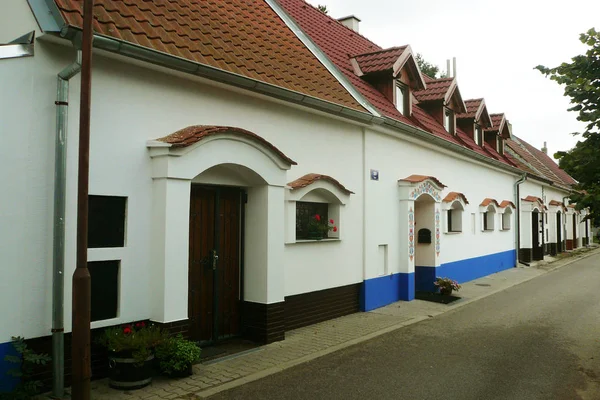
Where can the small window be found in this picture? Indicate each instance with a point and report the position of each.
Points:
(305, 213)
(500, 145)
(454, 218)
(105, 289)
(488, 220)
(106, 224)
(402, 99)
(506, 220)
(449, 120)
(478, 135)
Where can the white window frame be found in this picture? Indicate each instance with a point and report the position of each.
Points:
(401, 98)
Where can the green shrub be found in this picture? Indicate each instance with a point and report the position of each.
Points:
(25, 361)
(177, 354)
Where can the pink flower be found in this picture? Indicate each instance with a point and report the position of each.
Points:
(331, 221)
(335, 228)
(127, 330)
(318, 218)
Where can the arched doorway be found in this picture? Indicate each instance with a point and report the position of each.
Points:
(208, 235)
(559, 236)
(425, 246)
(536, 234)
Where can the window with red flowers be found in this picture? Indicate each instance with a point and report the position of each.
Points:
(305, 211)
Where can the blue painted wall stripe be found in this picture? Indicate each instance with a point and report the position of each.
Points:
(7, 383)
(384, 290)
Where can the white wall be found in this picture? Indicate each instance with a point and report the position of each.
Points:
(397, 159)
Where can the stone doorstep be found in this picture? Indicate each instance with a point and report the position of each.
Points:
(332, 335)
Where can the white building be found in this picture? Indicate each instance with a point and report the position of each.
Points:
(218, 132)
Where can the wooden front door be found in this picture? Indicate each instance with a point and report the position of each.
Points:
(214, 263)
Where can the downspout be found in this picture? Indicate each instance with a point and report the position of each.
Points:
(564, 223)
(58, 259)
(522, 179)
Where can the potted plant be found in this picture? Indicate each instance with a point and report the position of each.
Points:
(446, 285)
(131, 351)
(318, 227)
(176, 356)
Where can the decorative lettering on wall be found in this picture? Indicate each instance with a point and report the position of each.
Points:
(437, 232)
(425, 187)
(411, 233)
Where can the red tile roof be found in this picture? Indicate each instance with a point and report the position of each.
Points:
(244, 37)
(309, 179)
(549, 163)
(378, 61)
(487, 201)
(340, 43)
(498, 121)
(421, 178)
(450, 197)
(436, 90)
(543, 166)
(472, 108)
(533, 199)
(193, 134)
(506, 203)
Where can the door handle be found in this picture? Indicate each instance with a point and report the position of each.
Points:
(215, 259)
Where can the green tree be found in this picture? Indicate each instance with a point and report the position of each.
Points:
(581, 80)
(323, 9)
(428, 68)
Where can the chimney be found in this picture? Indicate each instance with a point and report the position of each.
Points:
(454, 67)
(350, 22)
(545, 149)
(448, 72)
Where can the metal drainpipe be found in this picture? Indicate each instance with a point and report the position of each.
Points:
(522, 179)
(58, 260)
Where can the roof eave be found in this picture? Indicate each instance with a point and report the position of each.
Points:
(169, 61)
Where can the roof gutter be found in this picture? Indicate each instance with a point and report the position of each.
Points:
(194, 68)
(428, 137)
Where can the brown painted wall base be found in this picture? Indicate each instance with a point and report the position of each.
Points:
(569, 244)
(310, 308)
(175, 328)
(263, 323)
(525, 255)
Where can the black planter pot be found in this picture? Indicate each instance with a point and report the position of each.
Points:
(125, 374)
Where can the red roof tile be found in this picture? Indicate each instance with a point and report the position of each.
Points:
(309, 179)
(450, 197)
(533, 199)
(193, 134)
(436, 90)
(378, 61)
(487, 201)
(506, 203)
(421, 178)
(550, 164)
(244, 37)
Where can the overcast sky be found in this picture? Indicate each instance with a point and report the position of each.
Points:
(497, 44)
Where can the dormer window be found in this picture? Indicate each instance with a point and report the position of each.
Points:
(478, 137)
(402, 98)
(449, 120)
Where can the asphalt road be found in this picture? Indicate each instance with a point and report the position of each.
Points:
(537, 340)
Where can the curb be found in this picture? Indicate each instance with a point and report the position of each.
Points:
(279, 368)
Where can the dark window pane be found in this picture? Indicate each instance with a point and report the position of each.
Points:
(304, 212)
(105, 289)
(450, 221)
(106, 221)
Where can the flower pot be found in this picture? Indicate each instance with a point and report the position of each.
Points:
(315, 236)
(126, 374)
(189, 371)
(445, 291)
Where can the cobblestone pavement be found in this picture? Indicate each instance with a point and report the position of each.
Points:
(314, 341)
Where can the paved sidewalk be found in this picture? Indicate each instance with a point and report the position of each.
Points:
(305, 344)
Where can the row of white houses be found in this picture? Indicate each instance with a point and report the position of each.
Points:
(211, 152)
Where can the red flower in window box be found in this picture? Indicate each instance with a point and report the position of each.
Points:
(318, 228)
